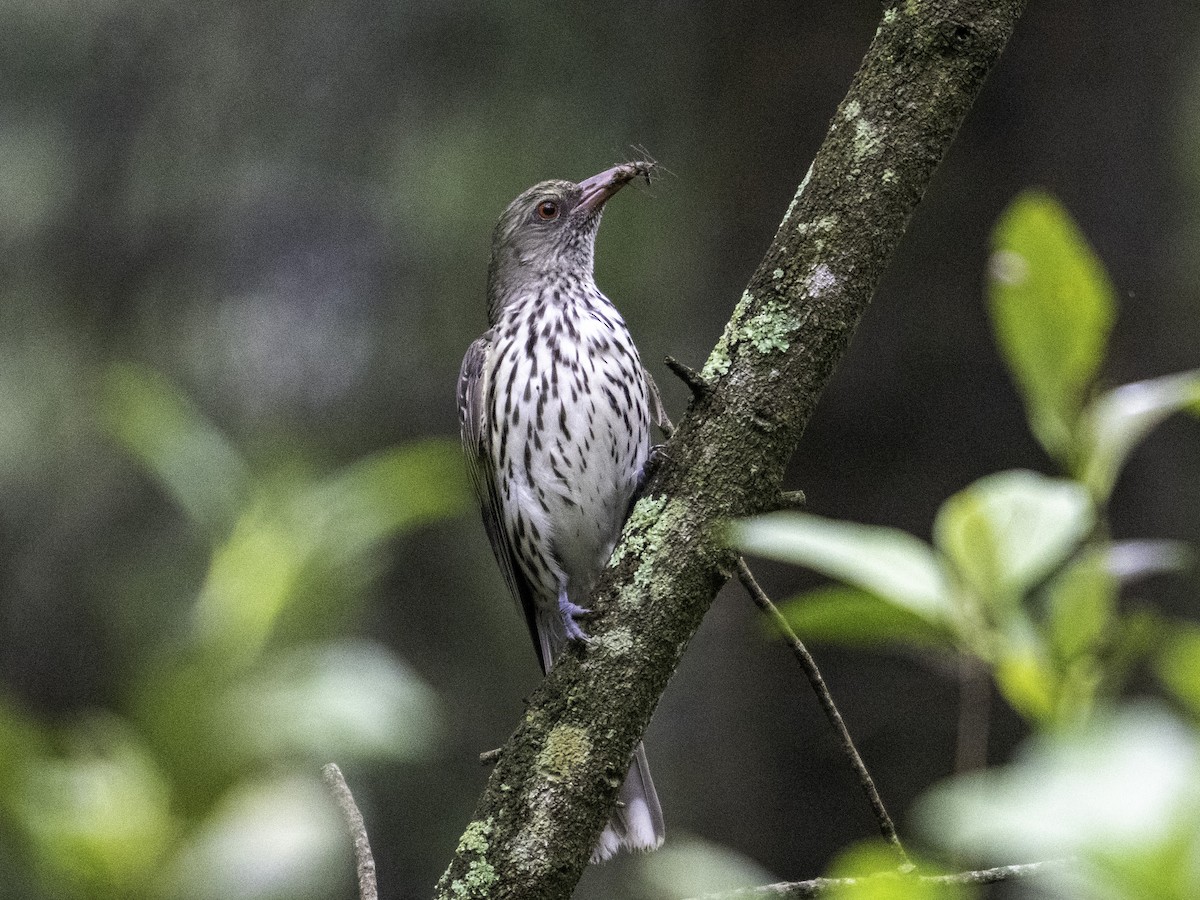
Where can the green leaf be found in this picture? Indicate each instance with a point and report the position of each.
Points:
(1026, 680)
(1080, 606)
(344, 701)
(386, 493)
(264, 841)
(845, 615)
(689, 866)
(1117, 421)
(1120, 797)
(192, 460)
(1178, 665)
(97, 817)
(1007, 531)
(887, 562)
(1140, 635)
(22, 742)
(255, 574)
(309, 549)
(870, 872)
(1052, 308)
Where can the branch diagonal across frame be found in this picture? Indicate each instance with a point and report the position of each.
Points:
(554, 784)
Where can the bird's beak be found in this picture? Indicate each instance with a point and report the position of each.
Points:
(598, 188)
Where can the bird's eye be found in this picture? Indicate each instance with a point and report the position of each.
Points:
(547, 210)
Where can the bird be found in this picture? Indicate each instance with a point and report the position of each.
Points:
(555, 409)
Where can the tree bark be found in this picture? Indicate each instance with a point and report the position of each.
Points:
(554, 785)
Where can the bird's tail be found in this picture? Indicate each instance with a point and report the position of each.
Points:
(637, 823)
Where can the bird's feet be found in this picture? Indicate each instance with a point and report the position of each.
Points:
(568, 612)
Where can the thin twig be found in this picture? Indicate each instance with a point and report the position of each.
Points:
(886, 827)
(821, 887)
(689, 376)
(792, 500)
(364, 862)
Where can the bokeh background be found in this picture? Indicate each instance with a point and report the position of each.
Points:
(242, 249)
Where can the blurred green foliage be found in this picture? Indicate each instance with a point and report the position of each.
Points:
(1024, 579)
(1117, 798)
(687, 866)
(865, 868)
(205, 782)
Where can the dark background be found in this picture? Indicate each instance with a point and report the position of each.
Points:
(286, 209)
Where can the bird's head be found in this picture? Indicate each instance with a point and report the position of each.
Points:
(551, 229)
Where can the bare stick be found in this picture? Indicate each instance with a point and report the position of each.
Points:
(689, 376)
(974, 709)
(364, 862)
(763, 602)
(792, 500)
(822, 887)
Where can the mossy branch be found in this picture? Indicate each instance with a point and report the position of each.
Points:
(557, 779)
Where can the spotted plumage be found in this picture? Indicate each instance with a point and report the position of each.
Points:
(555, 409)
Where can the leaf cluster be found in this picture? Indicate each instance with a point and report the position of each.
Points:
(1023, 580)
(1022, 574)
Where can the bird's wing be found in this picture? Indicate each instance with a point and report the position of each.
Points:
(473, 390)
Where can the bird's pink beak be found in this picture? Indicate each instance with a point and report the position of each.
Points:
(598, 188)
